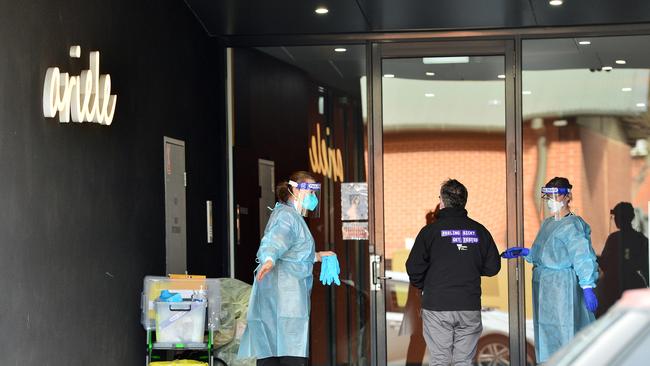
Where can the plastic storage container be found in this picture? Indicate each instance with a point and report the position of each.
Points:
(189, 288)
(180, 322)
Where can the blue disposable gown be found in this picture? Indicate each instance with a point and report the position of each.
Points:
(278, 310)
(563, 262)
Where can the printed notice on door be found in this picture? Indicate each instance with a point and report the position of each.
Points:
(355, 231)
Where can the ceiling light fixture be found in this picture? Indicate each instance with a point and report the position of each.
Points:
(445, 60)
(389, 75)
(556, 2)
(430, 73)
(607, 68)
(429, 95)
(526, 92)
(321, 10)
(584, 43)
(640, 105)
(621, 62)
(494, 102)
(340, 49)
(626, 89)
(560, 123)
(501, 76)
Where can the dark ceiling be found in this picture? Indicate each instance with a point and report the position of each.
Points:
(343, 69)
(227, 18)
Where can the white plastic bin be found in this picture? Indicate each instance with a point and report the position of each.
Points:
(180, 322)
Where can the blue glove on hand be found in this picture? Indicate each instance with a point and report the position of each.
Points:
(515, 252)
(334, 270)
(329, 271)
(325, 271)
(590, 299)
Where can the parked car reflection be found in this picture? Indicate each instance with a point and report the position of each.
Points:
(493, 347)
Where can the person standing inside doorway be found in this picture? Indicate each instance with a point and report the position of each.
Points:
(564, 271)
(446, 264)
(277, 331)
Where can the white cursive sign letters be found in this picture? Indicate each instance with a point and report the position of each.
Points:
(85, 98)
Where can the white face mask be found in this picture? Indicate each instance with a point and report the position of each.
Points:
(554, 205)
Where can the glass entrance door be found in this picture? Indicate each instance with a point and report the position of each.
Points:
(441, 111)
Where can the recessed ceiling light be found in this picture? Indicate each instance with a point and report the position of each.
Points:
(494, 102)
(626, 89)
(429, 73)
(560, 123)
(607, 68)
(389, 75)
(445, 60)
(556, 2)
(640, 105)
(340, 49)
(429, 95)
(584, 43)
(501, 76)
(321, 10)
(526, 92)
(621, 62)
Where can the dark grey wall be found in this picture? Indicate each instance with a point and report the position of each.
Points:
(82, 205)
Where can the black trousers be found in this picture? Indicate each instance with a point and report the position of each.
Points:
(283, 361)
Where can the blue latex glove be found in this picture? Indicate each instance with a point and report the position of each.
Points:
(330, 262)
(329, 272)
(337, 270)
(590, 299)
(515, 252)
(322, 271)
(167, 296)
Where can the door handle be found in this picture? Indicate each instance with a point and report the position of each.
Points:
(375, 261)
(375, 270)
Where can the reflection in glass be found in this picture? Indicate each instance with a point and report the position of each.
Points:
(301, 108)
(442, 117)
(586, 118)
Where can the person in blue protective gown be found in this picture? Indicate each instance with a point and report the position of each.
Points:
(565, 272)
(277, 331)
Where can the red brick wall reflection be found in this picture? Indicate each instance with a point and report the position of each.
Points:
(598, 165)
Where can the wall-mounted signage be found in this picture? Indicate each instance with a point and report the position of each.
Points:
(325, 160)
(82, 98)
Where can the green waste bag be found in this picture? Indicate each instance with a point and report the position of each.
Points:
(234, 308)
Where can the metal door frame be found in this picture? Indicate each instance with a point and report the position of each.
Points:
(375, 42)
(510, 49)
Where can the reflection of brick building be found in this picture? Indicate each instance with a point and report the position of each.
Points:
(586, 151)
(592, 153)
(599, 167)
(415, 164)
(573, 127)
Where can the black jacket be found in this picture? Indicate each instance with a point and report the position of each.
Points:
(448, 259)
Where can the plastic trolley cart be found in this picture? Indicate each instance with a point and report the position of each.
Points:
(180, 314)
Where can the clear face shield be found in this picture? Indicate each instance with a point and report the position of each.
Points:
(306, 198)
(553, 201)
